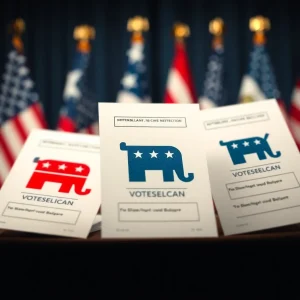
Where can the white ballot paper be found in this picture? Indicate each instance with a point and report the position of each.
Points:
(54, 185)
(254, 166)
(155, 180)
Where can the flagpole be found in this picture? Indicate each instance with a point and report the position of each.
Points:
(17, 29)
(84, 34)
(137, 25)
(217, 28)
(259, 25)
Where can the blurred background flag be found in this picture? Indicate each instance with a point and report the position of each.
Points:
(79, 112)
(295, 113)
(260, 82)
(134, 85)
(213, 92)
(180, 86)
(20, 109)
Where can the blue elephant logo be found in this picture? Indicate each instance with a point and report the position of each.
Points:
(168, 159)
(239, 148)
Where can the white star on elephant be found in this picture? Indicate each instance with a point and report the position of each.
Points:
(234, 146)
(79, 169)
(169, 154)
(62, 167)
(138, 154)
(257, 142)
(246, 144)
(71, 89)
(46, 165)
(153, 154)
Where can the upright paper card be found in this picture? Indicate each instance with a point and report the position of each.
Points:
(254, 166)
(154, 172)
(54, 185)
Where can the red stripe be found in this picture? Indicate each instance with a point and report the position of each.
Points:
(1, 182)
(168, 98)
(90, 130)
(66, 124)
(181, 64)
(8, 156)
(19, 127)
(295, 112)
(39, 113)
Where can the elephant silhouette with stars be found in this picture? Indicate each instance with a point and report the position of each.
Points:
(239, 148)
(67, 174)
(168, 159)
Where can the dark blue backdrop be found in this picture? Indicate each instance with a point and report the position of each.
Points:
(49, 42)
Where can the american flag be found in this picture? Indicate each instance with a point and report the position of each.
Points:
(295, 114)
(134, 86)
(80, 109)
(213, 93)
(260, 83)
(20, 110)
(180, 86)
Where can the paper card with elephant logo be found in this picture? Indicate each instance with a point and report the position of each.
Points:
(254, 166)
(154, 173)
(54, 185)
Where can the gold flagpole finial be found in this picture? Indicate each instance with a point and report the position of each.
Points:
(17, 28)
(217, 29)
(259, 25)
(84, 34)
(137, 25)
(181, 31)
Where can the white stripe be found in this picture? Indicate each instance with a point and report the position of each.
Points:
(127, 97)
(249, 88)
(85, 131)
(295, 128)
(177, 88)
(12, 138)
(206, 103)
(296, 98)
(95, 128)
(29, 120)
(4, 166)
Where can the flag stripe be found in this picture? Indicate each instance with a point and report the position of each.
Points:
(128, 97)
(5, 153)
(180, 87)
(5, 164)
(18, 124)
(31, 118)
(206, 103)
(12, 138)
(66, 124)
(95, 128)
(182, 66)
(168, 98)
(295, 129)
(177, 88)
(90, 130)
(295, 113)
(39, 114)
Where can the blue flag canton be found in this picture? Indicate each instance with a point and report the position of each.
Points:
(80, 102)
(261, 71)
(134, 80)
(17, 88)
(213, 84)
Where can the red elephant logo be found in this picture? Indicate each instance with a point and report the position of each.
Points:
(68, 174)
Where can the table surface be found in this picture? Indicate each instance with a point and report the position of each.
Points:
(292, 231)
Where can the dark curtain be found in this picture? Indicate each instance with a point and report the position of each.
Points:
(49, 43)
